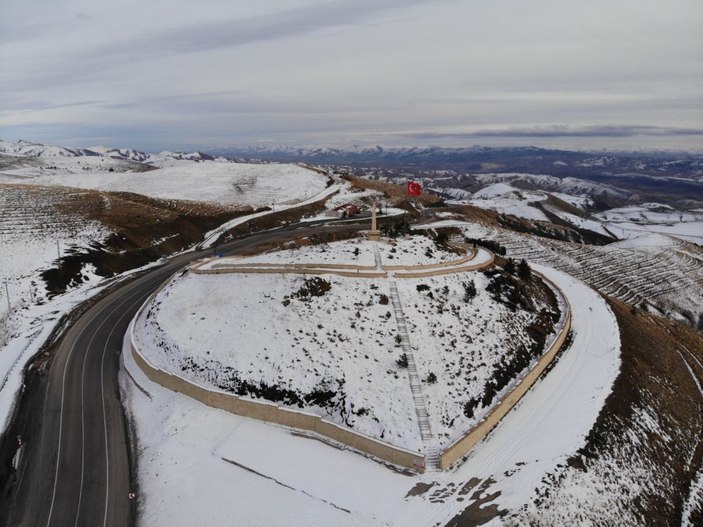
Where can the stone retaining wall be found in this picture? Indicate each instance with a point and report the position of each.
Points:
(459, 261)
(464, 444)
(270, 412)
(451, 270)
(309, 270)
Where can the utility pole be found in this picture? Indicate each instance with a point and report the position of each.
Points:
(58, 250)
(7, 292)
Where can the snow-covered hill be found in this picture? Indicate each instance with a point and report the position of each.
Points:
(337, 353)
(168, 175)
(183, 440)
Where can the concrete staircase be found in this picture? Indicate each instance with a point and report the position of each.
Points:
(431, 452)
(432, 460)
(423, 419)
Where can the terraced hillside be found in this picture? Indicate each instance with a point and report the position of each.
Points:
(53, 237)
(663, 274)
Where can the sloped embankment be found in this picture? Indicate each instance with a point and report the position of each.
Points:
(142, 230)
(645, 451)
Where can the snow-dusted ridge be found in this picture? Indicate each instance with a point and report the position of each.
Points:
(32, 149)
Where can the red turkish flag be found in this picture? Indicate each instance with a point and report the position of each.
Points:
(413, 189)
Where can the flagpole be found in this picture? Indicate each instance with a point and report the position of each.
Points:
(405, 216)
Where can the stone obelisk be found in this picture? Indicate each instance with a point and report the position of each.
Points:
(374, 233)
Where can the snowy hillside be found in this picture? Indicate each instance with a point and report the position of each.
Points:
(632, 222)
(654, 271)
(225, 183)
(506, 199)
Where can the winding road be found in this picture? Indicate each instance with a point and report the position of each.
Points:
(73, 467)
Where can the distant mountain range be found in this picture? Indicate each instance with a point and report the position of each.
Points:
(30, 149)
(478, 159)
(475, 159)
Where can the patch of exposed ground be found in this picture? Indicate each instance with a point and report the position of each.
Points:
(142, 230)
(481, 510)
(395, 193)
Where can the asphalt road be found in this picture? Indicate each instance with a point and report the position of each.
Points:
(74, 463)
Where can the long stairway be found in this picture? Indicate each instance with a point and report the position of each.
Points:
(423, 419)
(431, 455)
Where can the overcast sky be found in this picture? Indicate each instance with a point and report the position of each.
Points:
(182, 74)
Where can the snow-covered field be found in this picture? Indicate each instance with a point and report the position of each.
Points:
(237, 184)
(506, 199)
(415, 250)
(203, 466)
(632, 222)
(352, 252)
(36, 225)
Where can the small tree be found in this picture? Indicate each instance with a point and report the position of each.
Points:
(470, 407)
(402, 362)
(510, 266)
(431, 378)
(469, 290)
(523, 270)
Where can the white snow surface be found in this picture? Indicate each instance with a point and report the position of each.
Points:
(238, 184)
(414, 250)
(185, 479)
(632, 222)
(511, 205)
(506, 199)
(494, 190)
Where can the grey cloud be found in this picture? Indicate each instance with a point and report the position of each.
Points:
(557, 131)
(205, 37)
(239, 102)
(208, 37)
(36, 106)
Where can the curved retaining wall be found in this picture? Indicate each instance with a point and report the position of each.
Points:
(270, 412)
(459, 261)
(451, 270)
(464, 444)
(309, 270)
(268, 265)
